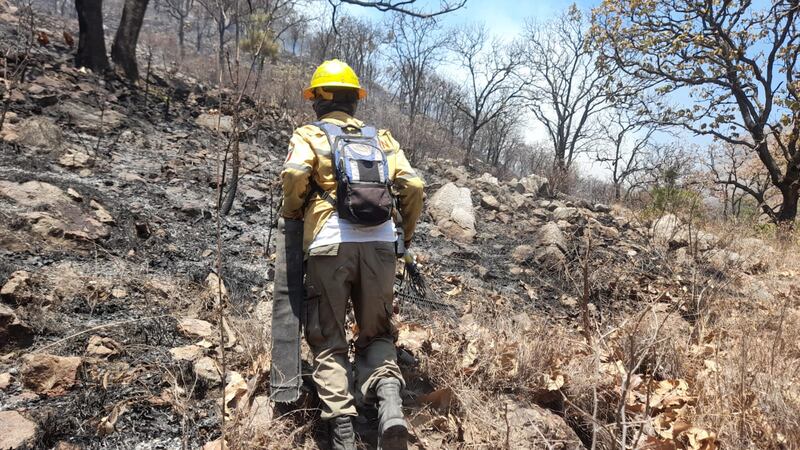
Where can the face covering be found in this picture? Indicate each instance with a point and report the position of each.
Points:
(345, 101)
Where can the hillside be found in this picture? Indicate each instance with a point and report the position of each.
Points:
(568, 323)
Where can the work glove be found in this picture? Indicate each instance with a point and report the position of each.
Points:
(410, 257)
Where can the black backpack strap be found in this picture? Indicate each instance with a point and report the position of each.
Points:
(322, 193)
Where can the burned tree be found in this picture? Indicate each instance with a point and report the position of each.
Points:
(492, 85)
(91, 41)
(180, 10)
(123, 52)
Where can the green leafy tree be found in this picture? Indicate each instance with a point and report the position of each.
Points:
(738, 64)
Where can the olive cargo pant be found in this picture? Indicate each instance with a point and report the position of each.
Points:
(363, 272)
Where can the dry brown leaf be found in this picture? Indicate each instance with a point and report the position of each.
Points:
(108, 423)
(235, 393)
(412, 336)
(442, 399)
(455, 291)
(700, 439)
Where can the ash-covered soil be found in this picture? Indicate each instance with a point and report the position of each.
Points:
(108, 236)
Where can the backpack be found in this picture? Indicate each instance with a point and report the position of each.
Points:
(363, 186)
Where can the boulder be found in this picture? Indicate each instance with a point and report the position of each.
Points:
(664, 228)
(451, 208)
(39, 131)
(566, 213)
(756, 255)
(723, 260)
(537, 427)
(551, 235)
(51, 213)
(13, 331)
(550, 257)
(215, 122)
(488, 179)
(16, 432)
(533, 184)
(702, 240)
(90, 119)
(49, 374)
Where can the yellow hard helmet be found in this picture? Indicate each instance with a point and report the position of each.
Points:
(333, 73)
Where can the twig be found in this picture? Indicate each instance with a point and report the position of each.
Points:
(99, 327)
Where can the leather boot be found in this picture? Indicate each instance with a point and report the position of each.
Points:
(393, 428)
(341, 433)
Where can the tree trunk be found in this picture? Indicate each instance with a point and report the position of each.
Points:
(220, 56)
(788, 212)
(181, 37)
(470, 144)
(91, 40)
(123, 52)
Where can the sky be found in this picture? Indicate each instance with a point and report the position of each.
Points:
(506, 19)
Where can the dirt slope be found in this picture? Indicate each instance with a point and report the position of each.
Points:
(111, 337)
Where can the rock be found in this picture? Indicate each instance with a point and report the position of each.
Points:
(187, 353)
(75, 195)
(756, 255)
(215, 288)
(5, 380)
(15, 286)
(74, 159)
(215, 122)
(722, 260)
(488, 179)
(13, 332)
(457, 174)
(53, 214)
(103, 347)
(533, 184)
(522, 253)
(195, 208)
(451, 208)
(260, 417)
(16, 432)
(550, 235)
(530, 427)
(550, 257)
(601, 208)
(566, 213)
(207, 370)
(101, 213)
(39, 131)
(90, 119)
(490, 202)
(664, 228)
(699, 239)
(196, 328)
(49, 374)
(215, 445)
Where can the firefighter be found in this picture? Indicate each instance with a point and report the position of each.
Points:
(347, 260)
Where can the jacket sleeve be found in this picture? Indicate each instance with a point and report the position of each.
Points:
(296, 175)
(409, 188)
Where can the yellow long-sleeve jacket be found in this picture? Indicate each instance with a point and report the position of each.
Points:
(310, 157)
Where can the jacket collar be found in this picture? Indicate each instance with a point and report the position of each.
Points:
(342, 119)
